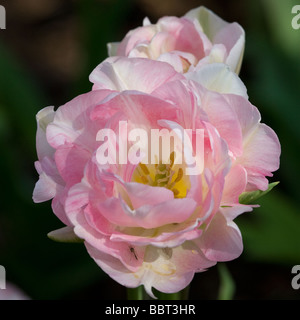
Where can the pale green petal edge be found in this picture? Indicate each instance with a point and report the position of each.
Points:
(65, 234)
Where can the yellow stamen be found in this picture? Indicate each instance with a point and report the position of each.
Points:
(179, 175)
(172, 158)
(144, 168)
(144, 179)
(163, 175)
(176, 192)
(162, 168)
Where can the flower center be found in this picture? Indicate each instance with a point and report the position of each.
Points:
(170, 176)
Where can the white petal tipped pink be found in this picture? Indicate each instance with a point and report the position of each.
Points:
(199, 37)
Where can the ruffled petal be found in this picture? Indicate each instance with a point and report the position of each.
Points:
(49, 183)
(167, 270)
(70, 161)
(231, 35)
(261, 147)
(120, 250)
(44, 117)
(72, 123)
(139, 74)
(235, 185)
(218, 77)
(147, 216)
(222, 240)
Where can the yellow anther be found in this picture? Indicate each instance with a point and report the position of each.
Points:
(172, 158)
(144, 179)
(176, 192)
(144, 168)
(179, 175)
(162, 168)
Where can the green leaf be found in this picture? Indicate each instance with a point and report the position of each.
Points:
(252, 196)
(65, 234)
(272, 234)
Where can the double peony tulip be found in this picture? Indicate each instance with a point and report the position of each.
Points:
(187, 43)
(146, 223)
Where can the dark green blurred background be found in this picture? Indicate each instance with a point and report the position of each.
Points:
(46, 54)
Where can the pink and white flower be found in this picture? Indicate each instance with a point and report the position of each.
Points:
(148, 224)
(198, 38)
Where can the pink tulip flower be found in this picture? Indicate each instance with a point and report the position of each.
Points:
(152, 224)
(200, 37)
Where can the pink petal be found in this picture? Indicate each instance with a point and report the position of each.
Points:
(173, 59)
(70, 161)
(139, 74)
(261, 147)
(174, 268)
(209, 21)
(171, 211)
(261, 156)
(217, 159)
(185, 98)
(72, 123)
(45, 189)
(219, 31)
(235, 185)
(141, 194)
(218, 77)
(223, 117)
(140, 109)
(49, 183)
(222, 240)
(134, 38)
(81, 200)
(57, 206)
(231, 212)
(113, 267)
(165, 236)
(233, 37)
(162, 42)
(168, 270)
(119, 250)
(184, 33)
